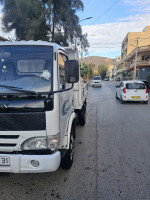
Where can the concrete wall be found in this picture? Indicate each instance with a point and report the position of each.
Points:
(143, 39)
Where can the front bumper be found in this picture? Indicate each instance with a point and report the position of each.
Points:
(96, 84)
(22, 163)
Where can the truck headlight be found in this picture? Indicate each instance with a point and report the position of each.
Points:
(39, 143)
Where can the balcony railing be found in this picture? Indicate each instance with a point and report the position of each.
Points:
(143, 62)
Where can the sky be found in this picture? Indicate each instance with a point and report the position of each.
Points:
(110, 23)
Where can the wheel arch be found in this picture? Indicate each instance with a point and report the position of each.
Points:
(66, 138)
(70, 124)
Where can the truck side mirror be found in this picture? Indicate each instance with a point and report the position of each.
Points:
(72, 71)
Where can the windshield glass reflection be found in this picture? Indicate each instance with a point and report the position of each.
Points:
(25, 67)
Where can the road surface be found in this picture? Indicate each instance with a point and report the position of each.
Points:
(112, 157)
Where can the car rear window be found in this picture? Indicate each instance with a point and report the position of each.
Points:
(96, 78)
(135, 86)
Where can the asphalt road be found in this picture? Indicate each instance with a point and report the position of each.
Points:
(112, 157)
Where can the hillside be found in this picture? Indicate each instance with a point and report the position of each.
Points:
(97, 60)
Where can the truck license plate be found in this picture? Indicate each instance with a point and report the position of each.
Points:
(4, 161)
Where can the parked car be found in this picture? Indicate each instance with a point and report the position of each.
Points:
(118, 79)
(146, 83)
(132, 91)
(96, 81)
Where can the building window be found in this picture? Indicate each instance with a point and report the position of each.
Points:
(145, 57)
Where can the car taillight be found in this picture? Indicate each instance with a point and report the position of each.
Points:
(146, 91)
(124, 90)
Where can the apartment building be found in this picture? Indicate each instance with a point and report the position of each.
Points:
(141, 40)
(116, 67)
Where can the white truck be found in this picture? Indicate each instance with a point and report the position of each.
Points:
(41, 100)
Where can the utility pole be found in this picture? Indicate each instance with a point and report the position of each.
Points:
(134, 77)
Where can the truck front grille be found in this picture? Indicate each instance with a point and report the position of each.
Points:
(7, 145)
(31, 121)
(9, 136)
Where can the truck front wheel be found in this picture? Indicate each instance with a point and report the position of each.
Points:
(67, 160)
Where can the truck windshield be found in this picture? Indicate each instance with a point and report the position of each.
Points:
(25, 67)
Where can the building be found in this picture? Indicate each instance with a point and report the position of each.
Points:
(109, 73)
(115, 68)
(135, 42)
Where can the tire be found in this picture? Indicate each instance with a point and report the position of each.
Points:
(145, 102)
(82, 115)
(67, 160)
(116, 96)
(122, 101)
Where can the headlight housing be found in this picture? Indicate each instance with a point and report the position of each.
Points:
(41, 143)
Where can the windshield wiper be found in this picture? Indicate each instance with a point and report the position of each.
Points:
(18, 89)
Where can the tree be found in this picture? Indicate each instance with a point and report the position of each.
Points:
(129, 75)
(65, 25)
(86, 71)
(27, 18)
(102, 69)
(51, 20)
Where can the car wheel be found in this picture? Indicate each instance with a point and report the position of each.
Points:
(67, 160)
(116, 96)
(122, 101)
(145, 102)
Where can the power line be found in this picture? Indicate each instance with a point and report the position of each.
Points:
(104, 47)
(105, 11)
(106, 43)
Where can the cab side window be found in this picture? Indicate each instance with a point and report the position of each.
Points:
(61, 60)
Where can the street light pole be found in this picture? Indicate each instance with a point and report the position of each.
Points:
(134, 77)
(81, 42)
(79, 22)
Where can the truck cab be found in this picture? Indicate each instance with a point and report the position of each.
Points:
(38, 118)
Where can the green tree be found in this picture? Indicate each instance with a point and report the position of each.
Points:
(86, 71)
(129, 75)
(102, 69)
(27, 18)
(51, 20)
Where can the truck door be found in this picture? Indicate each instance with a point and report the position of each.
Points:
(66, 97)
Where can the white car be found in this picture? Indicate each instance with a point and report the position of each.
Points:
(132, 91)
(96, 81)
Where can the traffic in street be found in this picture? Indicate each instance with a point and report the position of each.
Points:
(111, 160)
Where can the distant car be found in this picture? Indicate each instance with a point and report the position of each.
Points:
(117, 79)
(106, 79)
(96, 81)
(132, 91)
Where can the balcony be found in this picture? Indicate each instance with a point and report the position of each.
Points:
(139, 64)
(143, 63)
